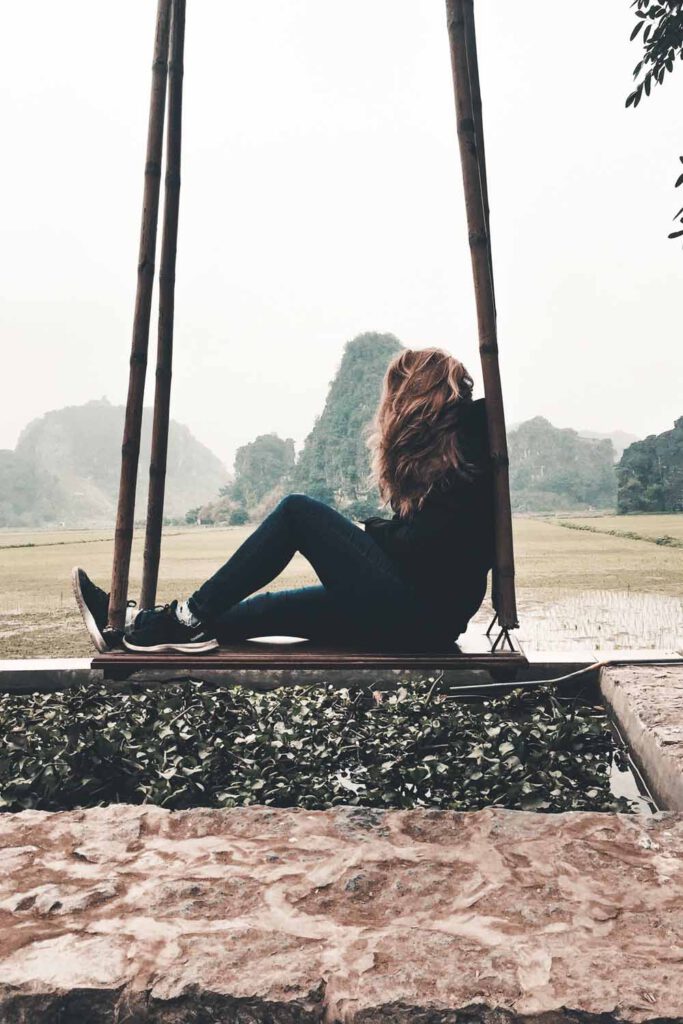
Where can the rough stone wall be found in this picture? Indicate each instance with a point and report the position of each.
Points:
(133, 914)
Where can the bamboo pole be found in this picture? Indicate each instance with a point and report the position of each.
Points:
(473, 69)
(465, 71)
(130, 449)
(169, 244)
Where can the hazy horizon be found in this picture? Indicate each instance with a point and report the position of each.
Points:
(322, 198)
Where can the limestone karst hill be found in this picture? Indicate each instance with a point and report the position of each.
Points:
(552, 469)
(650, 473)
(334, 464)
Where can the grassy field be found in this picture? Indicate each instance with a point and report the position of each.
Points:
(575, 587)
(654, 525)
(33, 538)
(651, 527)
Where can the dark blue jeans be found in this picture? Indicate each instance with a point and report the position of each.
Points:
(362, 600)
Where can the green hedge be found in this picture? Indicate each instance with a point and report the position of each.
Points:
(191, 744)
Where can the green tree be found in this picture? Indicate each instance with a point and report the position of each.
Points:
(659, 27)
(259, 467)
(238, 517)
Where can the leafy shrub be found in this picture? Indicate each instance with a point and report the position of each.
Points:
(666, 541)
(238, 517)
(189, 744)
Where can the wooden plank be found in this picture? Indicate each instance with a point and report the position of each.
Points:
(260, 655)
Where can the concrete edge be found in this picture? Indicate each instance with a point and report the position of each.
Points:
(50, 675)
(661, 771)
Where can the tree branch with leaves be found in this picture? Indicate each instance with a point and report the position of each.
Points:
(659, 26)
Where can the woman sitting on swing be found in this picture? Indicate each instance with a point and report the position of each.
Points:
(407, 583)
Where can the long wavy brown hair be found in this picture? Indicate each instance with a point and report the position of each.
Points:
(414, 441)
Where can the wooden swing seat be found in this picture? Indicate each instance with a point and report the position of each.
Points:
(474, 651)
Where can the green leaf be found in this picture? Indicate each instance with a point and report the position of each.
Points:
(193, 745)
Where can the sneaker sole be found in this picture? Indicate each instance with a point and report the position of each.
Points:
(98, 640)
(203, 648)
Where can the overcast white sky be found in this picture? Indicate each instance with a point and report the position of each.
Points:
(322, 197)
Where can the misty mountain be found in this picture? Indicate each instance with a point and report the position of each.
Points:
(619, 438)
(28, 496)
(65, 468)
(553, 469)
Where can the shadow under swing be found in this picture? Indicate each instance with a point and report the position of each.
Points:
(494, 650)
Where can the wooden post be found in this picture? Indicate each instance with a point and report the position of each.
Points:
(465, 73)
(169, 243)
(130, 450)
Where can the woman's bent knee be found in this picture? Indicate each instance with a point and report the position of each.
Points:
(293, 503)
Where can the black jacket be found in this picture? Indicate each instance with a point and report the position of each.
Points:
(446, 548)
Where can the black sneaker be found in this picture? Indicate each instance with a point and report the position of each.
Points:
(93, 604)
(162, 631)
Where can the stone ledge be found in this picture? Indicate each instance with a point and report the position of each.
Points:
(47, 675)
(141, 915)
(647, 704)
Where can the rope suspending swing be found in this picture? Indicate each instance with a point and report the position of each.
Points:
(168, 64)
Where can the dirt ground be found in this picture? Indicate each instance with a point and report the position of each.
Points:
(575, 587)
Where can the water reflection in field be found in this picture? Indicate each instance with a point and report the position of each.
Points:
(595, 620)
